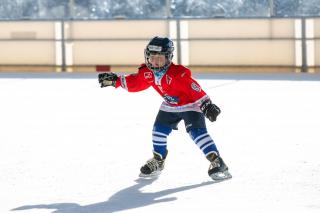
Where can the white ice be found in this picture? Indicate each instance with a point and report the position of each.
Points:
(68, 146)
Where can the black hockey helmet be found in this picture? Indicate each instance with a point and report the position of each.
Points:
(159, 45)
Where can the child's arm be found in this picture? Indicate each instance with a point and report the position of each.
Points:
(132, 82)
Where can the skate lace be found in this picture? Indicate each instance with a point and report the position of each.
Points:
(153, 164)
(214, 164)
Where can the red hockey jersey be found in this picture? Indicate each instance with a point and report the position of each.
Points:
(179, 90)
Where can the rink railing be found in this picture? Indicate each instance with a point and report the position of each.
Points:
(206, 44)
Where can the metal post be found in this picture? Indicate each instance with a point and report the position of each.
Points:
(168, 9)
(178, 42)
(70, 10)
(63, 48)
(272, 8)
(304, 67)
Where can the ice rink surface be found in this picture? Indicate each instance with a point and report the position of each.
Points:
(68, 146)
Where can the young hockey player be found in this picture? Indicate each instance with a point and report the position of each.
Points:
(184, 99)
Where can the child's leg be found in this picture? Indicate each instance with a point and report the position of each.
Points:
(196, 127)
(159, 139)
(163, 125)
(203, 140)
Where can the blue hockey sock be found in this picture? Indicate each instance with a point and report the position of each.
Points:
(159, 139)
(203, 140)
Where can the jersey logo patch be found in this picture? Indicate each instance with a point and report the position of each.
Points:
(169, 79)
(147, 75)
(195, 87)
(171, 99)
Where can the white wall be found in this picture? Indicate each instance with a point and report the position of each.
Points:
(214, 42)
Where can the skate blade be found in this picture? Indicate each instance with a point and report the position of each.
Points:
(150, 176)
(221, 176)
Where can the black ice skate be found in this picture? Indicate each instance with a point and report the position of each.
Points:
(218, 170)
(153, 167)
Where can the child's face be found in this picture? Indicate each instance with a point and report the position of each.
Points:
(157, 60)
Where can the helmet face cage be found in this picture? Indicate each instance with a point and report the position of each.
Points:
(159, 46)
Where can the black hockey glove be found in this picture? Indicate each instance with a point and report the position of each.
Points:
(210, 110)
(107, 79)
